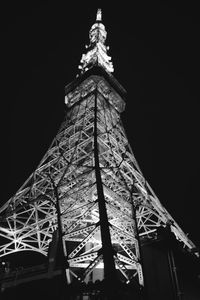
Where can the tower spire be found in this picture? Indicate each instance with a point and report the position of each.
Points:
(99, 15)
(96, 54)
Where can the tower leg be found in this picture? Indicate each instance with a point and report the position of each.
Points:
(107, 250)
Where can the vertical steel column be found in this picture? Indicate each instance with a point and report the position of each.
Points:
(141, 276)
(174, 277)
(60, 255)
(107, 250)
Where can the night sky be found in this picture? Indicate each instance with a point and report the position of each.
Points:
(155, 51)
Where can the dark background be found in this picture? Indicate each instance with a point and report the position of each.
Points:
(155, 51)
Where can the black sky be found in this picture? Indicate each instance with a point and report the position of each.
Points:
(155, 50)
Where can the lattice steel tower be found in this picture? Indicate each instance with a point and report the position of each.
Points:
(89, 185)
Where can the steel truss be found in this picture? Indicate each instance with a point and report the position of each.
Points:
(29, 218)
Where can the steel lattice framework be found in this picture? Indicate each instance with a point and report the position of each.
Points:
(106, 205)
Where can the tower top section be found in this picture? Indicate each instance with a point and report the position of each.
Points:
(96, 54)
(99, 15)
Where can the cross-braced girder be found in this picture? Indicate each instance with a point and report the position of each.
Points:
(132, 209)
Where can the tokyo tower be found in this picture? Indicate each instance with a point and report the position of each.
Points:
(87, 204)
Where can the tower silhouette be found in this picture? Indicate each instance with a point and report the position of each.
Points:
(87, 205)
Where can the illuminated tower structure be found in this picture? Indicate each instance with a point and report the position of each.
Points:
(89, 185)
